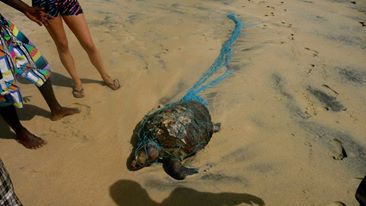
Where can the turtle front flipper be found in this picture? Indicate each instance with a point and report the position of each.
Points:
(216, 127)
(176, 170)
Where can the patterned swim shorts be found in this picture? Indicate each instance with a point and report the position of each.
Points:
(18, 58)
(7, 194)
(59, 7)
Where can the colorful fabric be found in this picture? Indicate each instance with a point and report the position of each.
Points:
(7, 194)
(18, 58)
(59, 7)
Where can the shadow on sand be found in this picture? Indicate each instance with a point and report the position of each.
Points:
(5, 131)
(63, 81)
(130, 193)
(28, 112)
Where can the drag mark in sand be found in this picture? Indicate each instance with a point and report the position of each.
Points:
(356, 156)
(174, 94)
(352, 75)
(224, 179)
(327, 100)
(295, 110)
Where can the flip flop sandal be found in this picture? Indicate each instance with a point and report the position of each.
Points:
(115, 85)
(78, 93)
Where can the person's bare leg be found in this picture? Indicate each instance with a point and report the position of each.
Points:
(79, 26)
(23, 136)
(57, 111)
(57, 32)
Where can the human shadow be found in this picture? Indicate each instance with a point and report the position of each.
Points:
(5, 131)
(130, 193)
(62, 80)
(28, 112)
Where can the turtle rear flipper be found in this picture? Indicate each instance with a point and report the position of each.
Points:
(361, 192)
(176, 170)
(216, 127)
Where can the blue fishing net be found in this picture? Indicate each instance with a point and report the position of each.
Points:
(187, 121)
(222, 61)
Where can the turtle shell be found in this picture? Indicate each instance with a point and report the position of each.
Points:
(180, 129)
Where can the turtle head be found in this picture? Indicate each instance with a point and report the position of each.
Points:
(143, 157)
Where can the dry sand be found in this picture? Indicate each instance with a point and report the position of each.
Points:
(298, 94)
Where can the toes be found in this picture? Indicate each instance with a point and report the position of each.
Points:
(32, 142)
(69, 111)
(63, 112)
(75, 110)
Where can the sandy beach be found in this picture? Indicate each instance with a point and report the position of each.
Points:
(295, 102)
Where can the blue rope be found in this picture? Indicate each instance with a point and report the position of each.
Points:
(222, 60)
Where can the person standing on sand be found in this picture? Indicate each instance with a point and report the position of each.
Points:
(7, 194)
(70, 12)
(20, 58)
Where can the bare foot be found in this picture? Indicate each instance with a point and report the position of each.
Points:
(63, 112)
(30, 140)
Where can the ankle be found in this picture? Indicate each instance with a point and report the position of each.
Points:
(78, 86)
(55, 109)
(21, 132)
(106, 77)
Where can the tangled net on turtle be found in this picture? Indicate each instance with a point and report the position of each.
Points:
(178, 130)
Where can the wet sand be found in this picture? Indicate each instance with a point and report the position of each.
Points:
(292, 115)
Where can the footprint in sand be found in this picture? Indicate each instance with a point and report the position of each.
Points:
(338, 152)
(85, 110)
(158, 56)
(282, 3)
(312, 66)
(310, 109)
(292, 36)
(308, 144)
(70, 128)
(331, 89)
(272, 14)
(314, 52)
(286, 24)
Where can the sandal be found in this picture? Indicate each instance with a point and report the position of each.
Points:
(114, 85)
(78, 93)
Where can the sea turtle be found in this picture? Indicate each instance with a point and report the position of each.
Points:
(169, 135)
